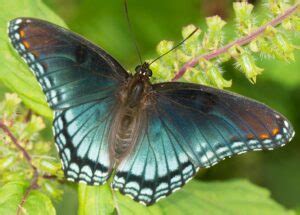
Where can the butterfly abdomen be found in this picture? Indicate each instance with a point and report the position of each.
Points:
(124, 132)
(127, 124)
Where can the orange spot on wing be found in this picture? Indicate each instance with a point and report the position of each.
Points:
(22, 33)
(264, 136)
(36, 54)
(26, 44)
(275, 131)
(250, 136)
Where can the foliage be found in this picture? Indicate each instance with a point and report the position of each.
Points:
(13, 72)
(208, 52)
(11, 196)
(215, 198)
(16, 169)
(232, 197)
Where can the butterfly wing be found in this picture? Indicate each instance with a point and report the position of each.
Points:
(70, 69)
(79, 80)
(80, 136)
(192, 126)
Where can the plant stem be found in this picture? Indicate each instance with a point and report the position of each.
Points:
(53, 177)
(240, 42)
(33, 184)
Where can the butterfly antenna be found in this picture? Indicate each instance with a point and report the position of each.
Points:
(175, 47)
(131, 31)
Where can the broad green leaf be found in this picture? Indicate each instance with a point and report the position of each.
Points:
(95, 199)
(232, 197)
(11, 195)
(13, 71)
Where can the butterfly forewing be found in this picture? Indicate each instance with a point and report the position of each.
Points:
(191, 127)
(79, 80)
(70, 69)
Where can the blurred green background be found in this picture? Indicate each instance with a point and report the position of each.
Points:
(104, 23)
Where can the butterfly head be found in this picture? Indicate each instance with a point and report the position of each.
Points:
(144, 70)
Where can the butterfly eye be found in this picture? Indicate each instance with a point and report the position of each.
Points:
(138, 68)
(149, 72)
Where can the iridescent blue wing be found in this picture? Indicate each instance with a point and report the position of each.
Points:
(70, 69)
(81, 139)
(79, 80)
(190, 127)
(159, 164)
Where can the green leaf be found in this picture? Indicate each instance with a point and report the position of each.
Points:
(232, 197)
(95, 200)
(13, 72)
(11, 195)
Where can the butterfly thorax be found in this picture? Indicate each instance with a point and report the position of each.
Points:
(127, 123)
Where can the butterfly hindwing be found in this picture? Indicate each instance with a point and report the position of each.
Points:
(81, 137)
(158, 165)
(190, 127)
(79, 80)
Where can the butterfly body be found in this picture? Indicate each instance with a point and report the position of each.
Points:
(129, 116)
(133, 98)
(155, 136)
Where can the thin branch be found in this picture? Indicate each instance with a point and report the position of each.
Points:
(46, 176)
(33, 184)
(240, 42)
(53, 177)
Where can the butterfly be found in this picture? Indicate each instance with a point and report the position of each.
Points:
(154, 137)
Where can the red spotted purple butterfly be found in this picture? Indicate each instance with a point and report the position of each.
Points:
(155, 136)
